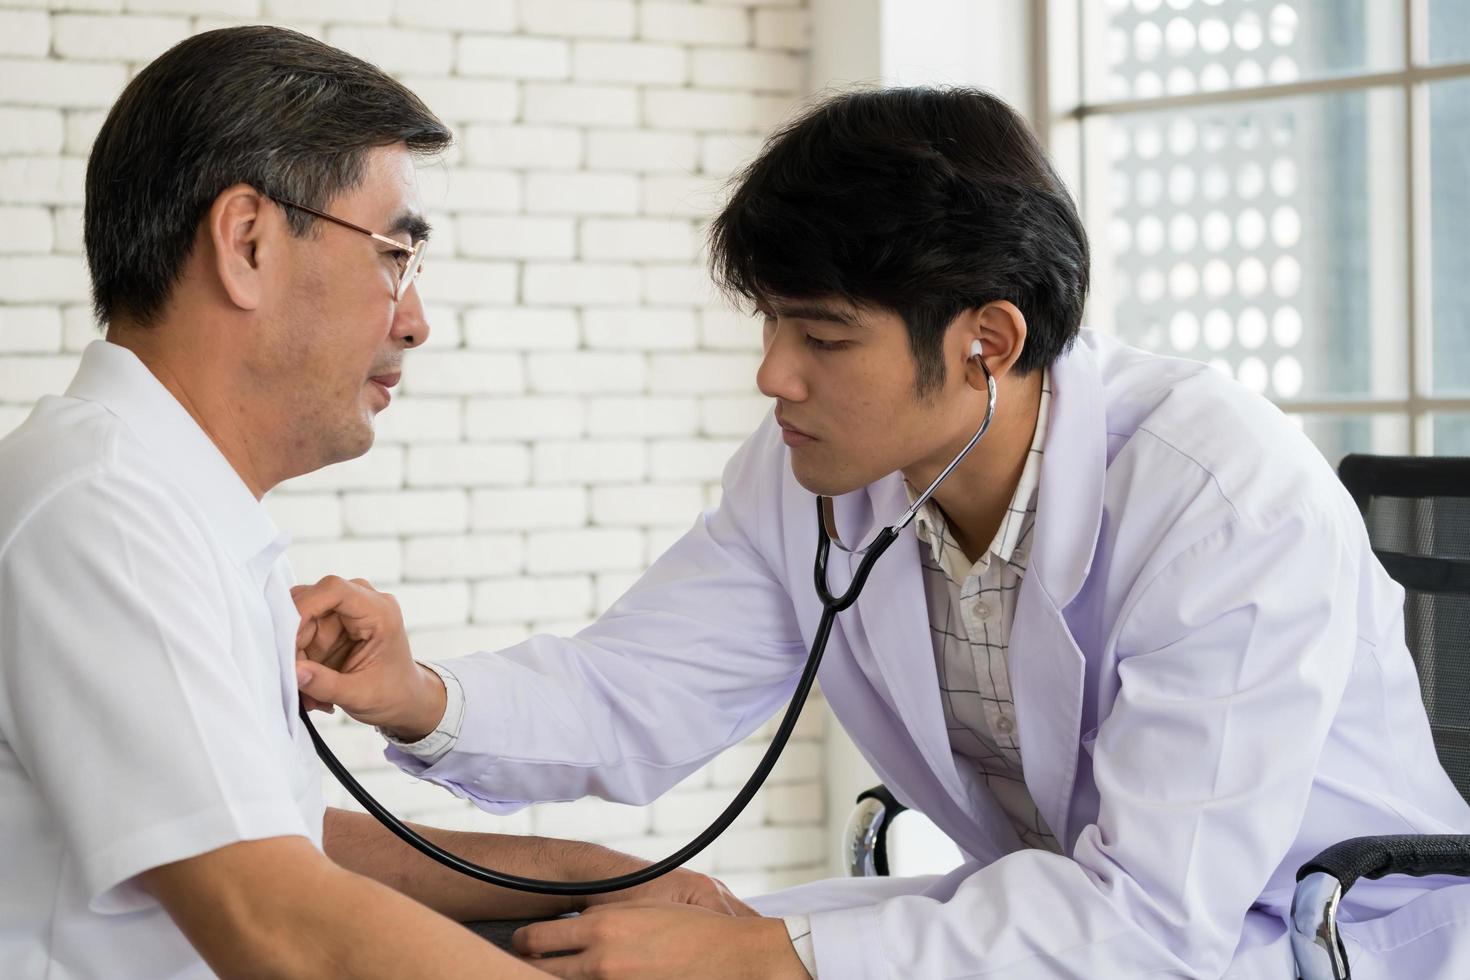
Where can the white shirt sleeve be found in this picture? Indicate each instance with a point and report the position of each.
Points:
(119, 694)
(799, 928)
(436, 745)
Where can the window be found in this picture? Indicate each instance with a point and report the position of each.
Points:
(1281, 188)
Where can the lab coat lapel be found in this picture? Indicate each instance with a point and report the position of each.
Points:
(892, 621)
(1048, 670)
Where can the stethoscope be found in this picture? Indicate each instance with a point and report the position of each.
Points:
(827, 535)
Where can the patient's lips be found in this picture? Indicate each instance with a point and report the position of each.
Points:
(382, 382)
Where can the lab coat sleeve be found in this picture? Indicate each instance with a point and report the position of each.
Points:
(699, 652)
(1233, 656)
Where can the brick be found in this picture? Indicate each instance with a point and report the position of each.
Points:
(726, 153)
(557, 284)
(702, 373)
(514, 57)
(457, 15)
(633, 329)
(747, 70)
(523, 147)
(689, 812)
(430, 604)
(677, 285)
(661, 539)
(448, 643)
(25, 32)
(770, 847)
(688, 459)
(377, 560)
(380, 468)
(645, 239)
(647, 505)
(455, 556)
(630, 62)
(45, 279)
(584, 372)
(642, 415)
(406, 512)
(396, 49)
(518, 237)
(519, 510)
(66, 231)
(79, 327)
(30, 131)
(730, 329)
(241, 9)
(461, 100)
(524, 418)
(29, 329)
(636, 150)
(588, 462)
(732, 416)
(592, 819)
(788, 30)
(421, 420)
(105, 38)
(27, 230)
(581, 105)
(444, 329)
(468, 466)
(666, 196)
(349, 11)
(468, 281)
(82, 126)
(471, 189)
(708, 110)
(306, 516)
(579, 18)
(581, 194)
(521, 329)
(519, 600)
(464, 373)
(611, 586)
(687, 23)
(802, 803)
(43, 180)
(583, 550)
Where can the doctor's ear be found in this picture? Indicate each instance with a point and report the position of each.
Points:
(235, 226)
(999, 329)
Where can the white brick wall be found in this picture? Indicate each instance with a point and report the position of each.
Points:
(582, 387)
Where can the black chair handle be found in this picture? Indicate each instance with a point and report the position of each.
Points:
(1401, 854)
(891, 809)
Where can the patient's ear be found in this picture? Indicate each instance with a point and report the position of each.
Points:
(237, 226)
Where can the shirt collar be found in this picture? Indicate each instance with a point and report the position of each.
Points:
(114, 377)
(931, 527)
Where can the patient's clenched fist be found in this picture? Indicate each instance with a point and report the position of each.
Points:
(352, 651)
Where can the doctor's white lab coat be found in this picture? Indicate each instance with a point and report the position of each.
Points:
(1210, 679)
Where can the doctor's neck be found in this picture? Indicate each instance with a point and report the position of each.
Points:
(974, 498)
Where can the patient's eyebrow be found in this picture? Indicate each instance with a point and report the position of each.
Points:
(811, 311)
(415, 224)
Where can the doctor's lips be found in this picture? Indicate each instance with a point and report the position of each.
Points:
(791, 435)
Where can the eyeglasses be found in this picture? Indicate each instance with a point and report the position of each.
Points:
(410, 257)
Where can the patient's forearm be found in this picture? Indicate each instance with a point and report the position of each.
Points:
(359, 843)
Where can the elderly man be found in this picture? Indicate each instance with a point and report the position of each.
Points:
(253, 230)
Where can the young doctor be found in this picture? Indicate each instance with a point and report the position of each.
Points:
(1135, 657)
(161, 811)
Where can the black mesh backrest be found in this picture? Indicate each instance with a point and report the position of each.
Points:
(1417, 509)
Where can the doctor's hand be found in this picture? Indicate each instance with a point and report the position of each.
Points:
(660, 941)
(352, 650)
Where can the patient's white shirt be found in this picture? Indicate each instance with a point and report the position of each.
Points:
(147, 690)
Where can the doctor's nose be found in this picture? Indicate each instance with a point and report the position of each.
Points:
(779, 375)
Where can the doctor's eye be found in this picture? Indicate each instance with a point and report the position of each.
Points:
(816, 343)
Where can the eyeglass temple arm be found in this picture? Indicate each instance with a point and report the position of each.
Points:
(347, 224)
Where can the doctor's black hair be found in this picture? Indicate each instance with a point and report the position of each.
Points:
(287, 114)
(923, 201)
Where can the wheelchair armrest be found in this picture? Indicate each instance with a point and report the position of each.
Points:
(1322, 881)
(866, 836)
